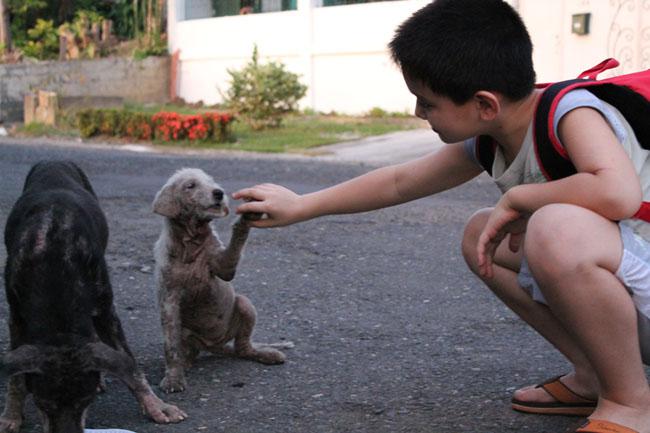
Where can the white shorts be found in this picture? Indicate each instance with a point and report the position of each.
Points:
(633, 272)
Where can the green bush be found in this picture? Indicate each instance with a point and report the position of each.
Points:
(88, 122)
(261, 94)
(378, 112)
(43, 41)
(114, 123)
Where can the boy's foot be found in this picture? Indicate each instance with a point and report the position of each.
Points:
(554, 397)
(620, 418)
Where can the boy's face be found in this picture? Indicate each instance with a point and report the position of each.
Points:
(452, 122)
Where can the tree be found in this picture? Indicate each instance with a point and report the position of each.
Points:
(5, 30)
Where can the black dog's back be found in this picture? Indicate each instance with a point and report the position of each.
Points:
(55, 187)
(55, 236)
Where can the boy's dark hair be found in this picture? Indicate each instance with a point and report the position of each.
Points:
(458, 47)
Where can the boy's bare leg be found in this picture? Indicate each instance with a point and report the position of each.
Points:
(504, 284)
(576, 272)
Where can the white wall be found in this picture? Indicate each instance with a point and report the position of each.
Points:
(618, 28)
(341, 51)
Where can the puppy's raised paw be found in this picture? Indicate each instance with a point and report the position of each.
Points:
(252, 216)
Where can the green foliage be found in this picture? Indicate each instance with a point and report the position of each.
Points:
(43, 41)
(83, 21)
(123, 19)
(83, 18)
(377, 112)
(106, 122)
(23, 17)
(261, 94)
(156, 47)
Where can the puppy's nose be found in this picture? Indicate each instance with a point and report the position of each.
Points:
(217, 194)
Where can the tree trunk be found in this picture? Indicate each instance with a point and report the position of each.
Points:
(66, 8)
(136, 20)
(162, 16)
(5, 30)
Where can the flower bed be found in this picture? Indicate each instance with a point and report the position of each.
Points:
(163, 126)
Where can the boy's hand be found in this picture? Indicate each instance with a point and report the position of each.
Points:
(503, 220)
(278, 205)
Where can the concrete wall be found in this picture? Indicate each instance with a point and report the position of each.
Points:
(341, 54)
(83, 82)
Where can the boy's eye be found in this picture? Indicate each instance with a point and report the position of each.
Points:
(424, 105)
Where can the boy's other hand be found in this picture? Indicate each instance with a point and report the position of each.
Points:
(278, 205)
(503, 220)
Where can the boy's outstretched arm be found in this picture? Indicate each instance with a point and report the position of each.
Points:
(606, 182)
(447, 167)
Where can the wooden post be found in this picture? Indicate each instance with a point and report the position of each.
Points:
(41, 108)
(29, 108)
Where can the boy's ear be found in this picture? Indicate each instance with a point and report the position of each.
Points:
(488, 104)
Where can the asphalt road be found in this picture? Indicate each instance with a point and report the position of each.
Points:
(392, 333)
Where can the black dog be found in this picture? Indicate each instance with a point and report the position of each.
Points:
(63, 326)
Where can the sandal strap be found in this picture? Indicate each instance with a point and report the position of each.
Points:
(560, 392)
(602, 426)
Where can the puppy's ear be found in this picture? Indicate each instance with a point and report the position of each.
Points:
(164, 204)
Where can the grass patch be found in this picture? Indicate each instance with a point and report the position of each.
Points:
(299, 133)
(42, 130)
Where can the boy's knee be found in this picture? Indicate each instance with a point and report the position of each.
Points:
(471, 233)
(550, 232)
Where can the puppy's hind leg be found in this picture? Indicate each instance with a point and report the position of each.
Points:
(244, 322)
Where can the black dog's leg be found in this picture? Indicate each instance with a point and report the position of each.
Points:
(109, 330)
(12, 415)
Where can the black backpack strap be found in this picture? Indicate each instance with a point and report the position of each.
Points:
(485, 149)
(552, 158)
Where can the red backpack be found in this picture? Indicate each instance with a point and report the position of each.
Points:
(629, 93)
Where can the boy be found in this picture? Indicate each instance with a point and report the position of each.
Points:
(581, 279)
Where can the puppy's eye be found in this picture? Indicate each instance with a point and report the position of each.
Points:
(190, 185)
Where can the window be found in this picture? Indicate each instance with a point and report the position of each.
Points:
(195, 9)
(347, 2)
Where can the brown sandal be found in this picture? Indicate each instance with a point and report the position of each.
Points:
(602, 426)
(566, 401)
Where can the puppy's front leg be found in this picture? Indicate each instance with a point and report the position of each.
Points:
(170, 315)
(226, 260)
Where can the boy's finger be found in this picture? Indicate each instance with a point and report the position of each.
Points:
(248, 194)
(261, 223)
(251, 206)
